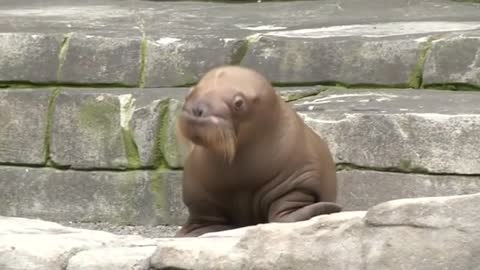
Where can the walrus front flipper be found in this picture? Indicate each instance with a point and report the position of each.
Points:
(194, 230)
(307, 212)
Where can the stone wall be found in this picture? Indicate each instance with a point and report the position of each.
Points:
(90, 94)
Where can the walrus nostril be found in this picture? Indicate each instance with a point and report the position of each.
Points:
(198, 110)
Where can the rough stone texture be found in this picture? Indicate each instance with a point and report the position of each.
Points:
(174, 147)
(146, 123)
(29, 57)
(23, 125)
(117, 128)
(349, 60)
(87, 131)
(454, 59)
(407, 130)
(101, 60)
(182, 61)
(447, 241)
(133, 197)
(360, 190)
(134, 258)
(423, 233)
(40, 245)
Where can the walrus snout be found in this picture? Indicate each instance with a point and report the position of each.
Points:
(197, 109)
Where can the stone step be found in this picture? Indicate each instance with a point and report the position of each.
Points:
(110, 155)
(163, 44)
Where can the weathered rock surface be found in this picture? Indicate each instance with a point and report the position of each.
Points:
(101, 60)
(360, 190)
(29, 58)
(422, 233)
(87, 131)
(133, 197)
(39, 245)
(352, 60)
(182, 61)
(441, 68)
(429, 233)
(414, 131)
(159, 44)
(116, 128)
(373, 128)
(23, 126)
(408, 130)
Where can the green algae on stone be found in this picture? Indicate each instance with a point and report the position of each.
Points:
(416, 79)
(143, 59)
(160, 133)
(453, 86)
(238, 52)
(63, 55)
(127, 107)
(407, 166)
(48, 130)
(95, 113)
(158, 188)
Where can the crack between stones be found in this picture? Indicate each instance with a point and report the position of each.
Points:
(143, 55)
(62, 55)
(368, 223)
(66, 168)
(163, 167)
(416, 78)
(28, 84)
(48, 132)
(349, 166)
(453, 86)
(159, 161)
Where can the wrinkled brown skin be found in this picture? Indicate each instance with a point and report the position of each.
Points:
(281, 171)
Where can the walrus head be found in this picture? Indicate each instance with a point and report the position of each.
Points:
(226, 108)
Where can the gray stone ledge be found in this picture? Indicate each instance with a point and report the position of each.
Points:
(360, 190)
(154, 197)
(134, 197)
(158, 44)
(407, 130)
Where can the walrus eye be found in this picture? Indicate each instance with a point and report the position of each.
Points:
(238, 102)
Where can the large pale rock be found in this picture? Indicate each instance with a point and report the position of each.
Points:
(101, 60)
(40, 245)
(423, 233)
(29, 57)
(132, 258)
(360, 189)
(134, 197)
(454, 59)
(405, 130)
(23, 125)
(251, 247)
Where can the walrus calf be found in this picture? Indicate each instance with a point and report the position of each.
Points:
(253, 160)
